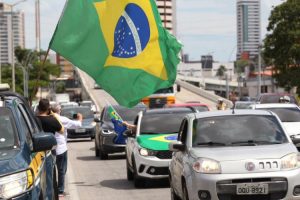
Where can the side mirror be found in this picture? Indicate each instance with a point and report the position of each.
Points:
(296, 141)
(178, 88)
(43, 141)
(176, 146)
(129, 133)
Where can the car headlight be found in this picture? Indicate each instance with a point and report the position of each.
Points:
(146, 152)
(15, 184)
(290, 161)
(207, 166)
(107, 132)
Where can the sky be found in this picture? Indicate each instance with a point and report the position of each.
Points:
(203, 26)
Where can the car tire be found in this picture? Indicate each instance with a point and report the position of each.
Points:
(96, 150)
(102, 155)
(185, 195)
(138, 181)
(55, 187)
(129, 172)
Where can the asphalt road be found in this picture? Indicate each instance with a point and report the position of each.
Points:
(90, 178)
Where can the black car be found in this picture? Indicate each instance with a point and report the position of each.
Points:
(88, 127)
(27, 167)
(104, 139)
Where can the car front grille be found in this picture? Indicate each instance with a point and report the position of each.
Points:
(158, 170)
(164, 154)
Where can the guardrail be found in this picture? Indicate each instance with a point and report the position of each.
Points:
(203, 93)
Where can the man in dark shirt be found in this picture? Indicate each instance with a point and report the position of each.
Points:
(48, 121)
(50, 124)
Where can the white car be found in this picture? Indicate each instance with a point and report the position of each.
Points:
(236, 155)
(147, 153)
(288, 113)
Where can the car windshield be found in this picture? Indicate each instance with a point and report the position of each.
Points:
(238, 130)
(127, 114)
(7, 129)
(85, 111)
(161, 123)
(286, 114)
(165, 90)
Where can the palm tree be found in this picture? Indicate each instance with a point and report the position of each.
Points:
(221, 71)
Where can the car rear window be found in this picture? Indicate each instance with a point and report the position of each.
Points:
(285, 114)
(275, 99)
(161, 123)
(7, 129)
(85, 111)
(229, 130)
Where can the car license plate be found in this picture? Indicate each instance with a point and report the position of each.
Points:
(252, 188)
(80, 130)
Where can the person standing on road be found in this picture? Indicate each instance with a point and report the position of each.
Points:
(51, 124)
(62, 149)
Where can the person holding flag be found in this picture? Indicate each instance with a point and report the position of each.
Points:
(119, 125)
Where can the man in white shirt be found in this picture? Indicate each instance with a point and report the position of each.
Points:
(61, 149)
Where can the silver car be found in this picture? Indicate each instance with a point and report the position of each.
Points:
(239, 154)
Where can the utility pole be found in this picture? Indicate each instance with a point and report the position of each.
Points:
(37, 26)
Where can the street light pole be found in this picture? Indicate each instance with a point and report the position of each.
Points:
(12, 45)
(259, 72)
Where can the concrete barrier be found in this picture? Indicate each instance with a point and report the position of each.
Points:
(203, 93)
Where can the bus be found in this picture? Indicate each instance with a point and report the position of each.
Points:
(161, 97)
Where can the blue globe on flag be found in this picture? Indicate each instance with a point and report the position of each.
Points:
(132, 32)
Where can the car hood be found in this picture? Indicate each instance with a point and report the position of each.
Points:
(292, 128)
(275, 151)
(158, 142)
(11, 160)
(248, 159)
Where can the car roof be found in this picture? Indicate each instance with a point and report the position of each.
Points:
(187, 104)
(274, 105)
(169, 110)
(231, 113)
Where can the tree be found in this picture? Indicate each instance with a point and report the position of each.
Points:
(29, 60)
(221, 71)
(282, 44)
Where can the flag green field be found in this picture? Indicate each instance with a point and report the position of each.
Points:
(121, 44)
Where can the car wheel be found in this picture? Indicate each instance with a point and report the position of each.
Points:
(55, 188)
(129, 172)
(138, 181)
(103, 156)
(184, 192)
(96, 150)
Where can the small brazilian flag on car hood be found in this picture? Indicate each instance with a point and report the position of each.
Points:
(158, 142)
(119, 43)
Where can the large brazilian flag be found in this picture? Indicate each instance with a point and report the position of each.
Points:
(121, 44)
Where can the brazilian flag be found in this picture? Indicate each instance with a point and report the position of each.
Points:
(121, 44)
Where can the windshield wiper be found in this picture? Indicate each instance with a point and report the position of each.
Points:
(254, 142)
(211, 143)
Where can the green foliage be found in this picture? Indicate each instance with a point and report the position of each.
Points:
(60, 87)
(29, 60)
(221, 71)
(282, 45)
(240, 65)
